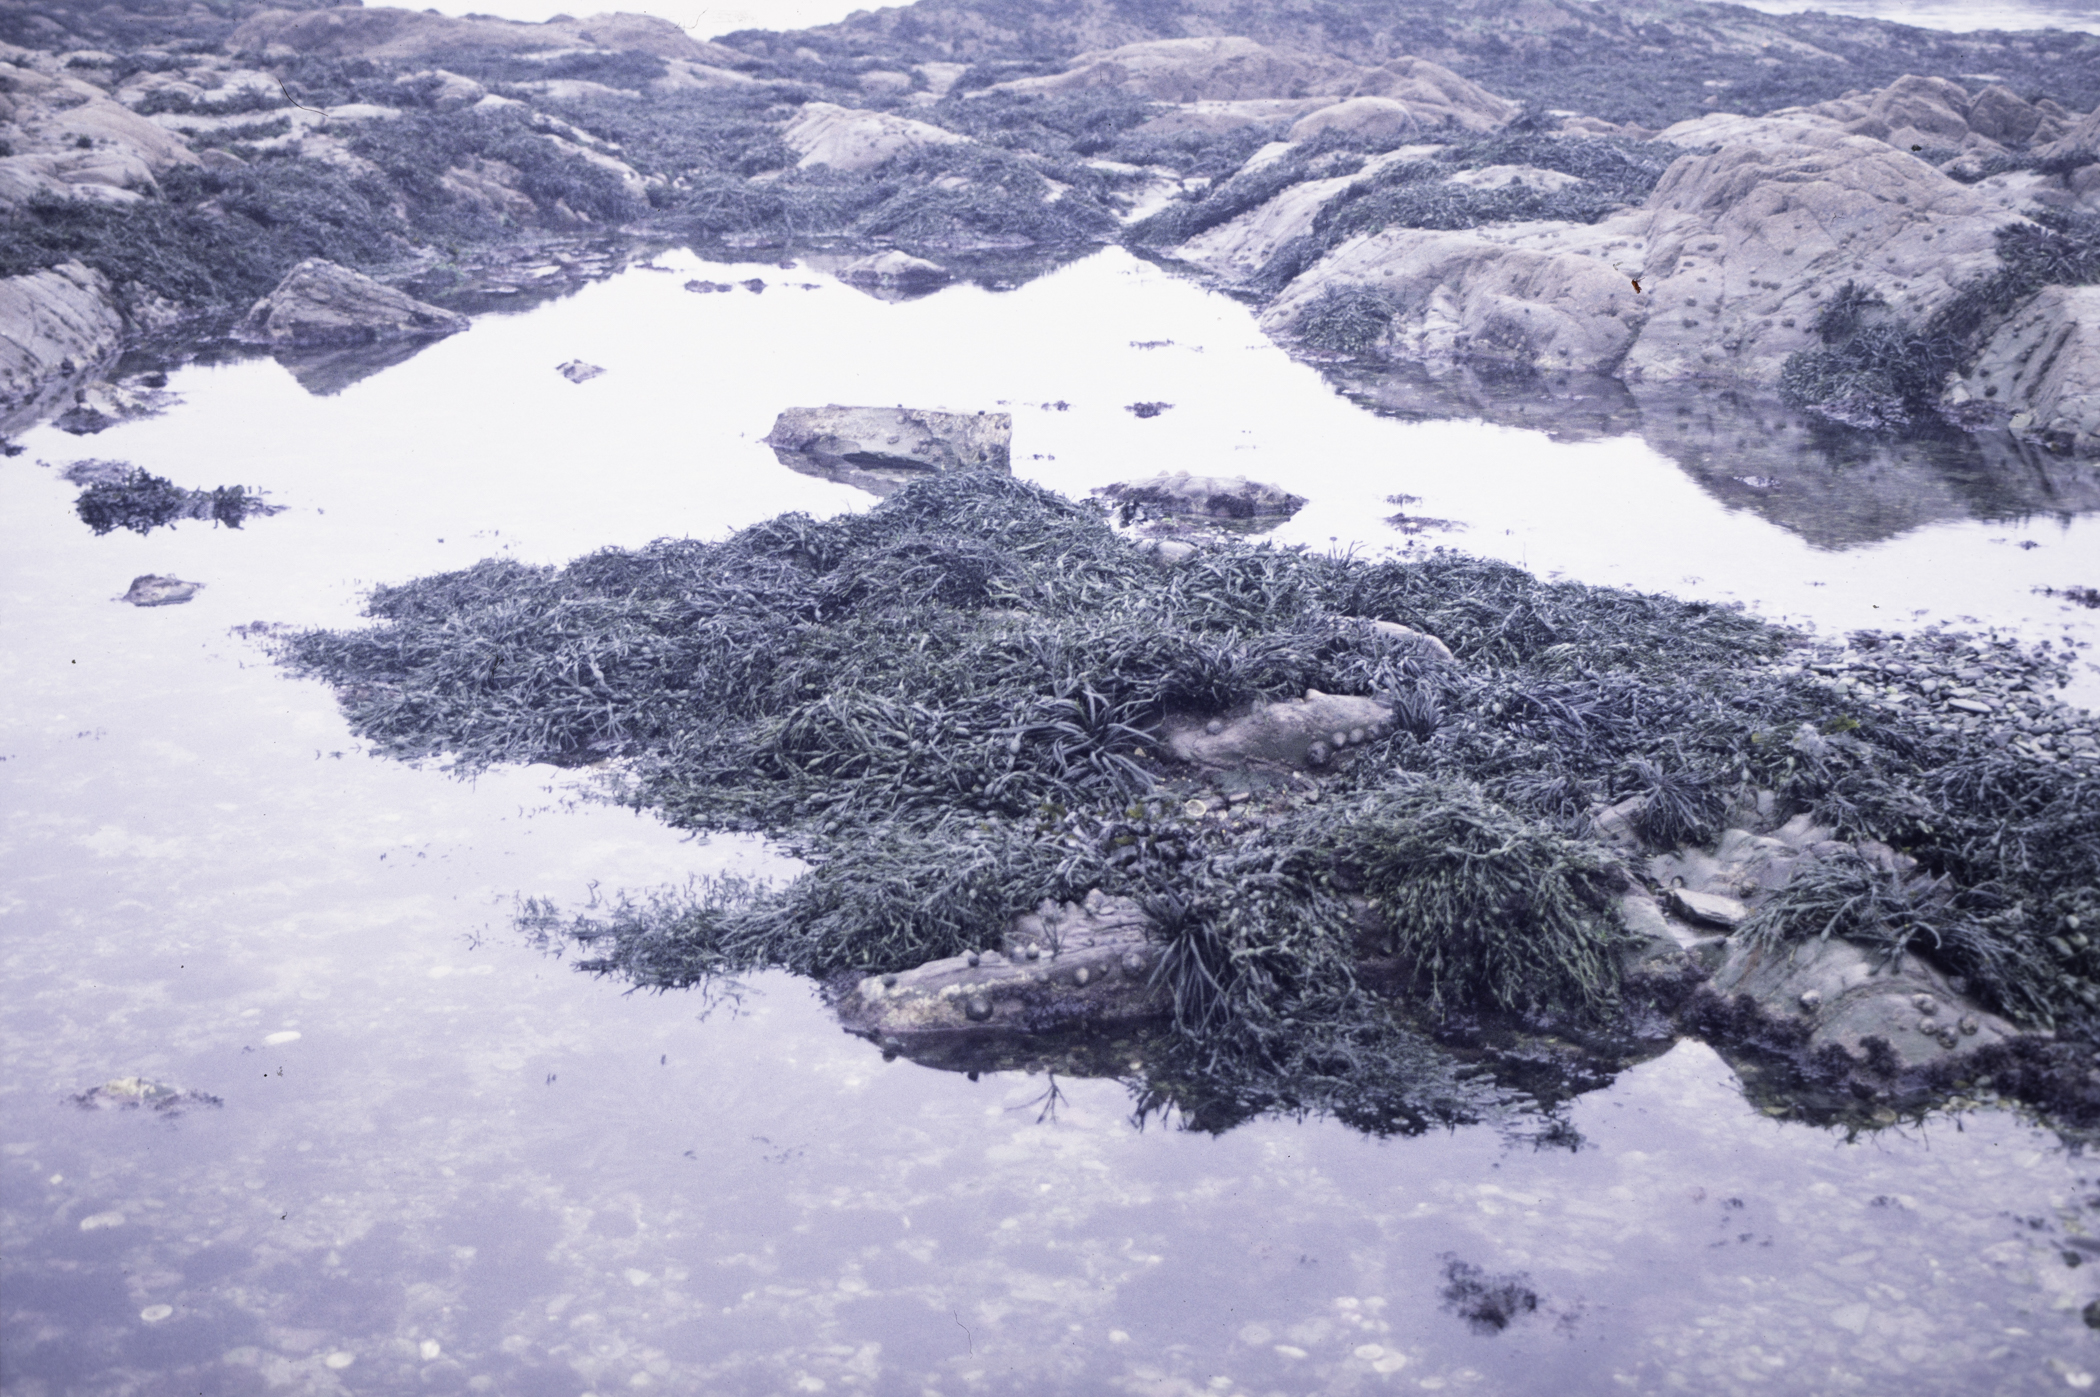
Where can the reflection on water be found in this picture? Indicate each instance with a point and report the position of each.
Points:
(1961, 16)
(444, 1162)
(1833, 487)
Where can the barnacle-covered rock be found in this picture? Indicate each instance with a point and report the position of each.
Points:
(1063, 966)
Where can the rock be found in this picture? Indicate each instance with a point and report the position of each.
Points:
(494, 186)
(1210, 499)
(1436, 95)
(54, 324)
(708, 287)
(894, 271)
(132, 1093)
(1091, 967)
(154, 590)
(1408, 635)
(1848, 994)
(320, 304)
(2000, 114)
(1710, 908)
(1938, 114)
(846, 139)
(1216, 118)
(681, 76)
(387, 33)
(443, 89)
(881, 449)
(576, 371)
(2080, 145)
(1292, 736)
(1736, 250)
(2044, 361)
(102, 405)
(1369, 118)
(1195, 70)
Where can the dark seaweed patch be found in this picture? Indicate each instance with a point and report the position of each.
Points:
(133, 498)
(950, 705)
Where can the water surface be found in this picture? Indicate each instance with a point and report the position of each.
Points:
(442, 1161)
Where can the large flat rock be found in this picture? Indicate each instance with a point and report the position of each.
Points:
(321, 305)
(882, 449)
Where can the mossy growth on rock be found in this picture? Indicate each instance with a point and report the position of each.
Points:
(951, 706)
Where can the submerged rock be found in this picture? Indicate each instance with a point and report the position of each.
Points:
(881, 449)
(576, 371)
(320, 304)
(1209, 499)
(151, 589)
(1064, 966)
(134, 1093)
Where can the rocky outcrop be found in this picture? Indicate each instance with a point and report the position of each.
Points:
(1735, 252)
(66, 139)
(1938, 114)
(1221, 82)
(321, 305)
(387, 33)
(2041, 370)
(845, 138)
(54, 325)
(882, 449)
(1198, 70)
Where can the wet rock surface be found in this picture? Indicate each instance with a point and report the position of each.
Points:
(879, 449)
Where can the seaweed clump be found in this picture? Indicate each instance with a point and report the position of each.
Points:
(129, 497)
(951, 707)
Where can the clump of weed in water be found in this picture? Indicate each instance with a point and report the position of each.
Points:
(132, 498)
(950, 706)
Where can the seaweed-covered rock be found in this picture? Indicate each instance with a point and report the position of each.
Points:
(1064, 966)
(880, 449)
(388, 33)
(2042, 367)
(1368, 118)
(847, 139)
(320, 304)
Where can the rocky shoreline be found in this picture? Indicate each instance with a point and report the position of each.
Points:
(1379, 206)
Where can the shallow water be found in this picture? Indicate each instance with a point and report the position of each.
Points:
(443, 1161)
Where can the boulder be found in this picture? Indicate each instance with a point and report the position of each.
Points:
(2078, 146)
(155, 590)
(882, 449)
(1197, 70)
(846, 139)
(54, 323)
(1436, 95)
(320, 304)
(1087, 965)
(1297, 735)
(1209, 499)
(1368, 118)
(2041, 368)
(894, 271)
